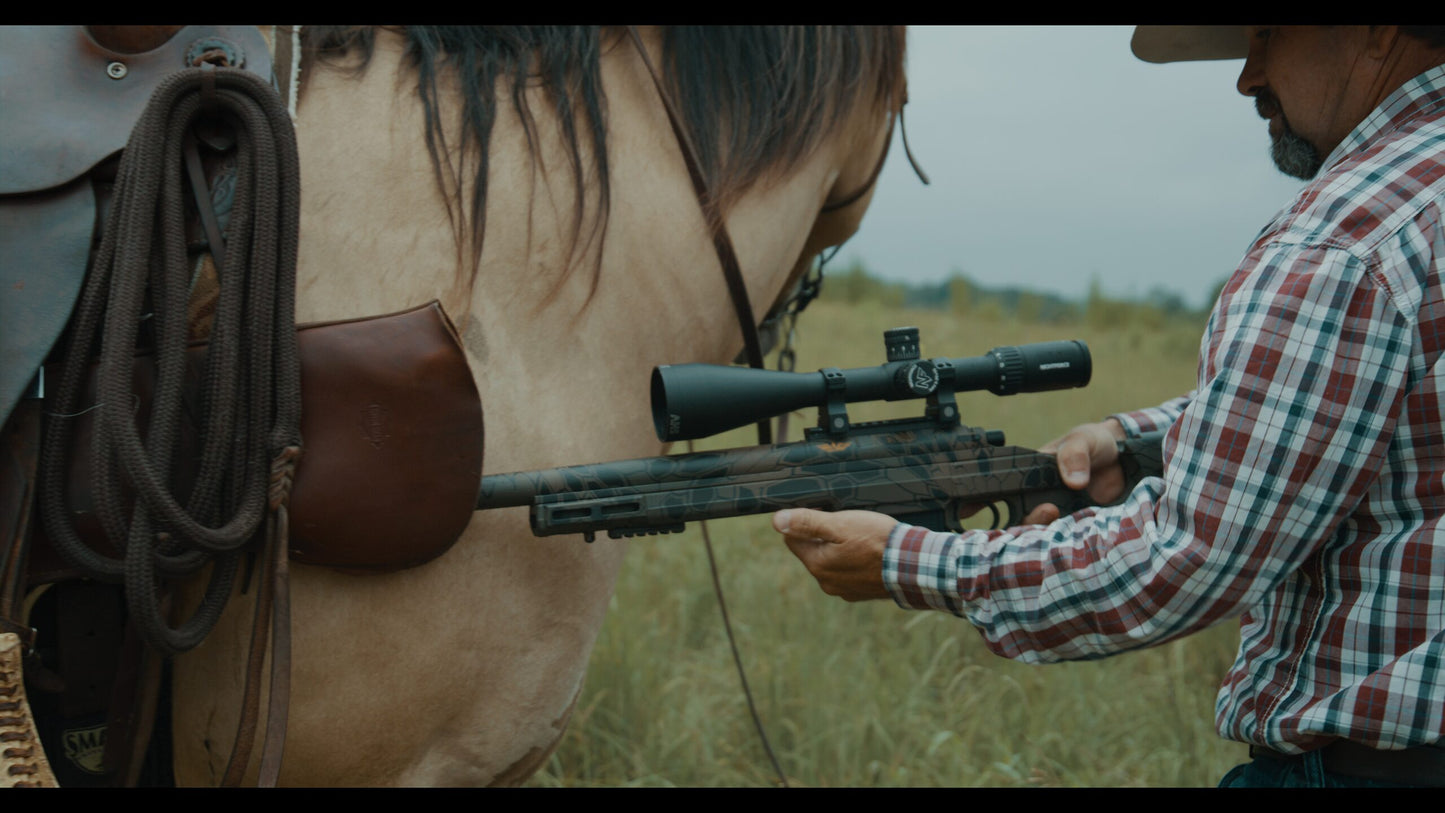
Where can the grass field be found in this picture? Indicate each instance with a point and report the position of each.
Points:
(865, 695)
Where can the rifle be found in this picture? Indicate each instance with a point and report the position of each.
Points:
(920, 471)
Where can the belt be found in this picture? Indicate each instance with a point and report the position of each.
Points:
(1423, 765)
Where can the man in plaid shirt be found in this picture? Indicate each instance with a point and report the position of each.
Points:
(1304, 478)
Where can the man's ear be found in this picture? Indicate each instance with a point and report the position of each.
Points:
(1381, 40)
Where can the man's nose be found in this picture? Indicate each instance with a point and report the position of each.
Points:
(1251, 76)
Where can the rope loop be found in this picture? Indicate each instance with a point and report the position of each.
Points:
(166, 521)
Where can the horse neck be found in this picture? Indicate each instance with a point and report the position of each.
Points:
(372, 206)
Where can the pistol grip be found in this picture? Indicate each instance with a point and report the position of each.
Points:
(1141, 457)
(1065, 499)
(1138, 457)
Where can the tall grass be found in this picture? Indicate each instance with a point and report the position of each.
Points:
(866, 694)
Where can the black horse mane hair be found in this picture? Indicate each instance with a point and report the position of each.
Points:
(755, 99)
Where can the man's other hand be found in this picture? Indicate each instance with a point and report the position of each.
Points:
(1088, 458)
(843, 550)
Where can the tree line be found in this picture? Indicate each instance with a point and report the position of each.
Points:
(963, 296)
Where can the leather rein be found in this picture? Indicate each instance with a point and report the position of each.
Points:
(787, 306)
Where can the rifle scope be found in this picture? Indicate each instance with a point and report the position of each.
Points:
(697, 400)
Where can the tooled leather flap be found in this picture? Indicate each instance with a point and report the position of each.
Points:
(391, 425)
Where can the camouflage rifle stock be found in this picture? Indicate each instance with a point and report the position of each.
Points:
(920, 471)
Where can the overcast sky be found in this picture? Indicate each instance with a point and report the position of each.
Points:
(1057, 156)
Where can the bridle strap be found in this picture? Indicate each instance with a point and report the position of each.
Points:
(872, 178)
(882, 158)
(722, 243)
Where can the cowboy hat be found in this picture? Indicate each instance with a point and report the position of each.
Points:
(1189, 43)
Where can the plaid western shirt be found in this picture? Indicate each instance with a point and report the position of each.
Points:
(1304, 478)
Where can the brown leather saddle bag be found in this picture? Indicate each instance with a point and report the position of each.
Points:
(392, 426)
(392, 433)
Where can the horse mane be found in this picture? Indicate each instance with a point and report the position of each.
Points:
(755, 99)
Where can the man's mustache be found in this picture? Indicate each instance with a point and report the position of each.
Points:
(1266, 104)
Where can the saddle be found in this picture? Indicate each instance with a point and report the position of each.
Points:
(70, 102)
(390, 414)
(69, 106)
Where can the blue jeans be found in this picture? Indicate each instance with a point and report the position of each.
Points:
(1308, 772)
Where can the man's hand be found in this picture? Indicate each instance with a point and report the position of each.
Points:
(1088, 457)
(843, 550)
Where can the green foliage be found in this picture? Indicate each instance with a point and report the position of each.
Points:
(856, 695)
(854, 285)
(962, 296)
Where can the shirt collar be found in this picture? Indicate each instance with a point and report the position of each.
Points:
(1423, 94)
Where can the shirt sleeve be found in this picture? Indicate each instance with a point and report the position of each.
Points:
(1153, 419)
(1304, 373)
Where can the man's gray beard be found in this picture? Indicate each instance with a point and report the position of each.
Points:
(1294, 156)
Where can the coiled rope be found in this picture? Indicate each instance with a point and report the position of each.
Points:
(248, 410)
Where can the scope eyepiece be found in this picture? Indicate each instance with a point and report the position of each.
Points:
(692, 401)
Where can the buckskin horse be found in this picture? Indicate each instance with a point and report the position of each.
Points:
(529, 180)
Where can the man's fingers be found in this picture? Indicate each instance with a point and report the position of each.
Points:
(1041, 515)
(1107, 485)
(802, 533)
(843, 550)
(1085, 453)
(1075, 461)
(832, 526)
(800, 522)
